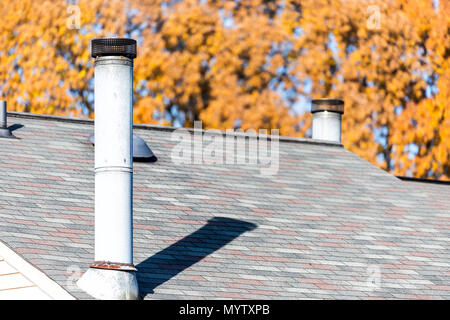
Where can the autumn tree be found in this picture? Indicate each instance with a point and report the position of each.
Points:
(45, 64)
(383, 72)
(248, 63)
(425, 125)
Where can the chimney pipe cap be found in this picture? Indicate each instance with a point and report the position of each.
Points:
(113, 47)
(332, 105)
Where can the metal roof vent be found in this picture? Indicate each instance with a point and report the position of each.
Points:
(141, 151)
(4, 131)
(327, 118)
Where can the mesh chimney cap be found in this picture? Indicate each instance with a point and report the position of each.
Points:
(332, 105)
(113, 47)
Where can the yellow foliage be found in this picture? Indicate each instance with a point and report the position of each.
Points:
(249, 60)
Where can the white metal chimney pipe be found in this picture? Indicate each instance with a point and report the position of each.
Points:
(4, 131)
(113, 160)
(3, 120)
(112, 275)
(327, 118)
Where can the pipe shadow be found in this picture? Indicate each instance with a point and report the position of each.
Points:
(15, 127)
(169, 262)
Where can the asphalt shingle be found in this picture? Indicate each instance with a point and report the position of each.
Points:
(327, 225)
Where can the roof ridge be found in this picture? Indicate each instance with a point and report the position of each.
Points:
(412, 179)
(288, 139)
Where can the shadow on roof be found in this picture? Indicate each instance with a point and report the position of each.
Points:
(169, 262)
(15, 127)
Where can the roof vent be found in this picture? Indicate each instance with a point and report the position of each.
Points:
(4, 131)
(141, 151)
(327, 117)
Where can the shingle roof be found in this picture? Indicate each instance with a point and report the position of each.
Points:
(437, 191)
(323, 227)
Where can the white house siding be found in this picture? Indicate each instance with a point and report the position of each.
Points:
(14, 286)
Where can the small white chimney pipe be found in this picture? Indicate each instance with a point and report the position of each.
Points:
(327, 118)
(4, 131)
(3, 121)
(112, 275)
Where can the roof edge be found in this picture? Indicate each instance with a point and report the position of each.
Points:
(36, 276)
(412, 179)
(29, 115)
